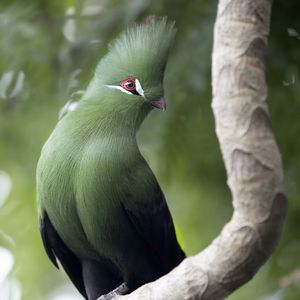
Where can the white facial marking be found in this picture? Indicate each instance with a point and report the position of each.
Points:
(117, 87)
(139, 88)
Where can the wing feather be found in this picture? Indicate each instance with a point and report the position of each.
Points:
(153, 222)
(56, 249)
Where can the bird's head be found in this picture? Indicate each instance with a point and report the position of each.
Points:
(132, 72)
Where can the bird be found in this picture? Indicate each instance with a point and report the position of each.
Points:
(102, 214)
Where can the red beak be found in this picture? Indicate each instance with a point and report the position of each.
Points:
(160, 103)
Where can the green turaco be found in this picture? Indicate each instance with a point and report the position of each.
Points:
(102, 213)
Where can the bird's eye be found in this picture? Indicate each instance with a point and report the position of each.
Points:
(129, 84)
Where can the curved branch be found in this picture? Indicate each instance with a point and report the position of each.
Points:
(251, 158)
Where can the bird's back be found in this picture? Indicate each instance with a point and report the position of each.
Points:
(105, 203)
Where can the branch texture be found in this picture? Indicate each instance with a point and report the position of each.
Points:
(251, 158)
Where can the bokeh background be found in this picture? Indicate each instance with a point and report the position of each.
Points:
(48, 52)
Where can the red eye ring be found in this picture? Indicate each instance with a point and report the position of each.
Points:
(128, 84)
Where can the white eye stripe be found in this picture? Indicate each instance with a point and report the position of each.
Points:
(117, 87)
(139, 88)
(138, 85)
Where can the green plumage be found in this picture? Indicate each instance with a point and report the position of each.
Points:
(93, 183)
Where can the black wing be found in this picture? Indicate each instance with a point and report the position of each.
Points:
(153, 222)
(57, 249)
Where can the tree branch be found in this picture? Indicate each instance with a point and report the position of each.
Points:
(251, 158)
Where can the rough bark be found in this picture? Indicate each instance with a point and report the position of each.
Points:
(251, 158)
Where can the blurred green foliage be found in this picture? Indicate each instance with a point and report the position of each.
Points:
(48, 51)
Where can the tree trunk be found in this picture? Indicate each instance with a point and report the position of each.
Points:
(251, 158)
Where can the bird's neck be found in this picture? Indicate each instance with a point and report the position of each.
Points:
(117, 123)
